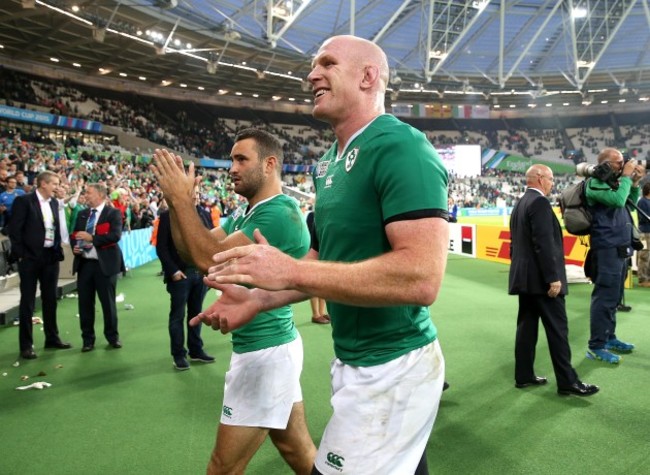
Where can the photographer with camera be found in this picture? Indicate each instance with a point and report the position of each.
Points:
(612, 183)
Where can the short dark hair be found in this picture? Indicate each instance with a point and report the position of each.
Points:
(267, 144)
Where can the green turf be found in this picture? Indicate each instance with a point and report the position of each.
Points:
(128, 411)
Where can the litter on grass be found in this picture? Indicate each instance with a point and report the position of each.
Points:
(36, 385)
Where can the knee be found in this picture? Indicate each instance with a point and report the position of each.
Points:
(299, 457)
(220, 465)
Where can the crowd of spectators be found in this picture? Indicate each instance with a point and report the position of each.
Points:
(595, 140)
(127, 175)
(212, 137)
(131, 183)
(497, 188)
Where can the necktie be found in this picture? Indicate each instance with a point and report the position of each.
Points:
(90, 227)
(90, 224)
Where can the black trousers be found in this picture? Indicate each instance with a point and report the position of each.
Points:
(91, 281)
(552, 312)
(44, 272)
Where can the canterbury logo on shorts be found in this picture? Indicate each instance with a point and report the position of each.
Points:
(335, 461)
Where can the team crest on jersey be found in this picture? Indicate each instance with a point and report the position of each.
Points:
(350, 158)
(236, 214)
(321, 169)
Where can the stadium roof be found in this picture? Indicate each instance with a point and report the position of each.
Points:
(485, 52)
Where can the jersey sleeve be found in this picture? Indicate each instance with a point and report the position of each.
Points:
(262, 220)
(282, 227)
(411, 179)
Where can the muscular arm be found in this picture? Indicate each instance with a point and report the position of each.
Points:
(411, 273)
(269, 299)
(239, 305)
(187, 228)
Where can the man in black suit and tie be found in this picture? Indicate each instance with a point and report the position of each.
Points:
(97, 262)
(538, 276)
(35, 237)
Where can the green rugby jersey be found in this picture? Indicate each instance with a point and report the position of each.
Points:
(387, 170)
(281, 222)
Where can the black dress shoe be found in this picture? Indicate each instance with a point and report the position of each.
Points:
(621, 307)
(117, 344)
(28, 355)
(87, 348)
(58, 345)
(537, 381)
(579, 389)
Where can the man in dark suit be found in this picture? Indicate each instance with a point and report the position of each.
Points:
(97, 262)
(538, 276)
(35, 237)
(186, 289)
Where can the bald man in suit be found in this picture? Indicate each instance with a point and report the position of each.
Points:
(538, 277)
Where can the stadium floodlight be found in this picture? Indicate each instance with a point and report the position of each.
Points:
(579, 12)
(166, 4)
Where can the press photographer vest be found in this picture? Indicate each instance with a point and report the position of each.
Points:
(611, 226)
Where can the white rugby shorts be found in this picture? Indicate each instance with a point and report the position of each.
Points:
(383, 415)
(262, 386)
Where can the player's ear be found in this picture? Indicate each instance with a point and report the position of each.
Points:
(271, 163)
(370, 76)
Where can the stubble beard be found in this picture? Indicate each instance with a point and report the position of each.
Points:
(250, 185)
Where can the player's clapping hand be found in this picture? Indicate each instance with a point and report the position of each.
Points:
(236, 307)
(173, 180)
(257, 265)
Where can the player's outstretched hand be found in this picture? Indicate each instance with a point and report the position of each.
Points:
(235, 308)
(258, 265)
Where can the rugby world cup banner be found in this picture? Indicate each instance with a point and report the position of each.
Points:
(44, 118)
